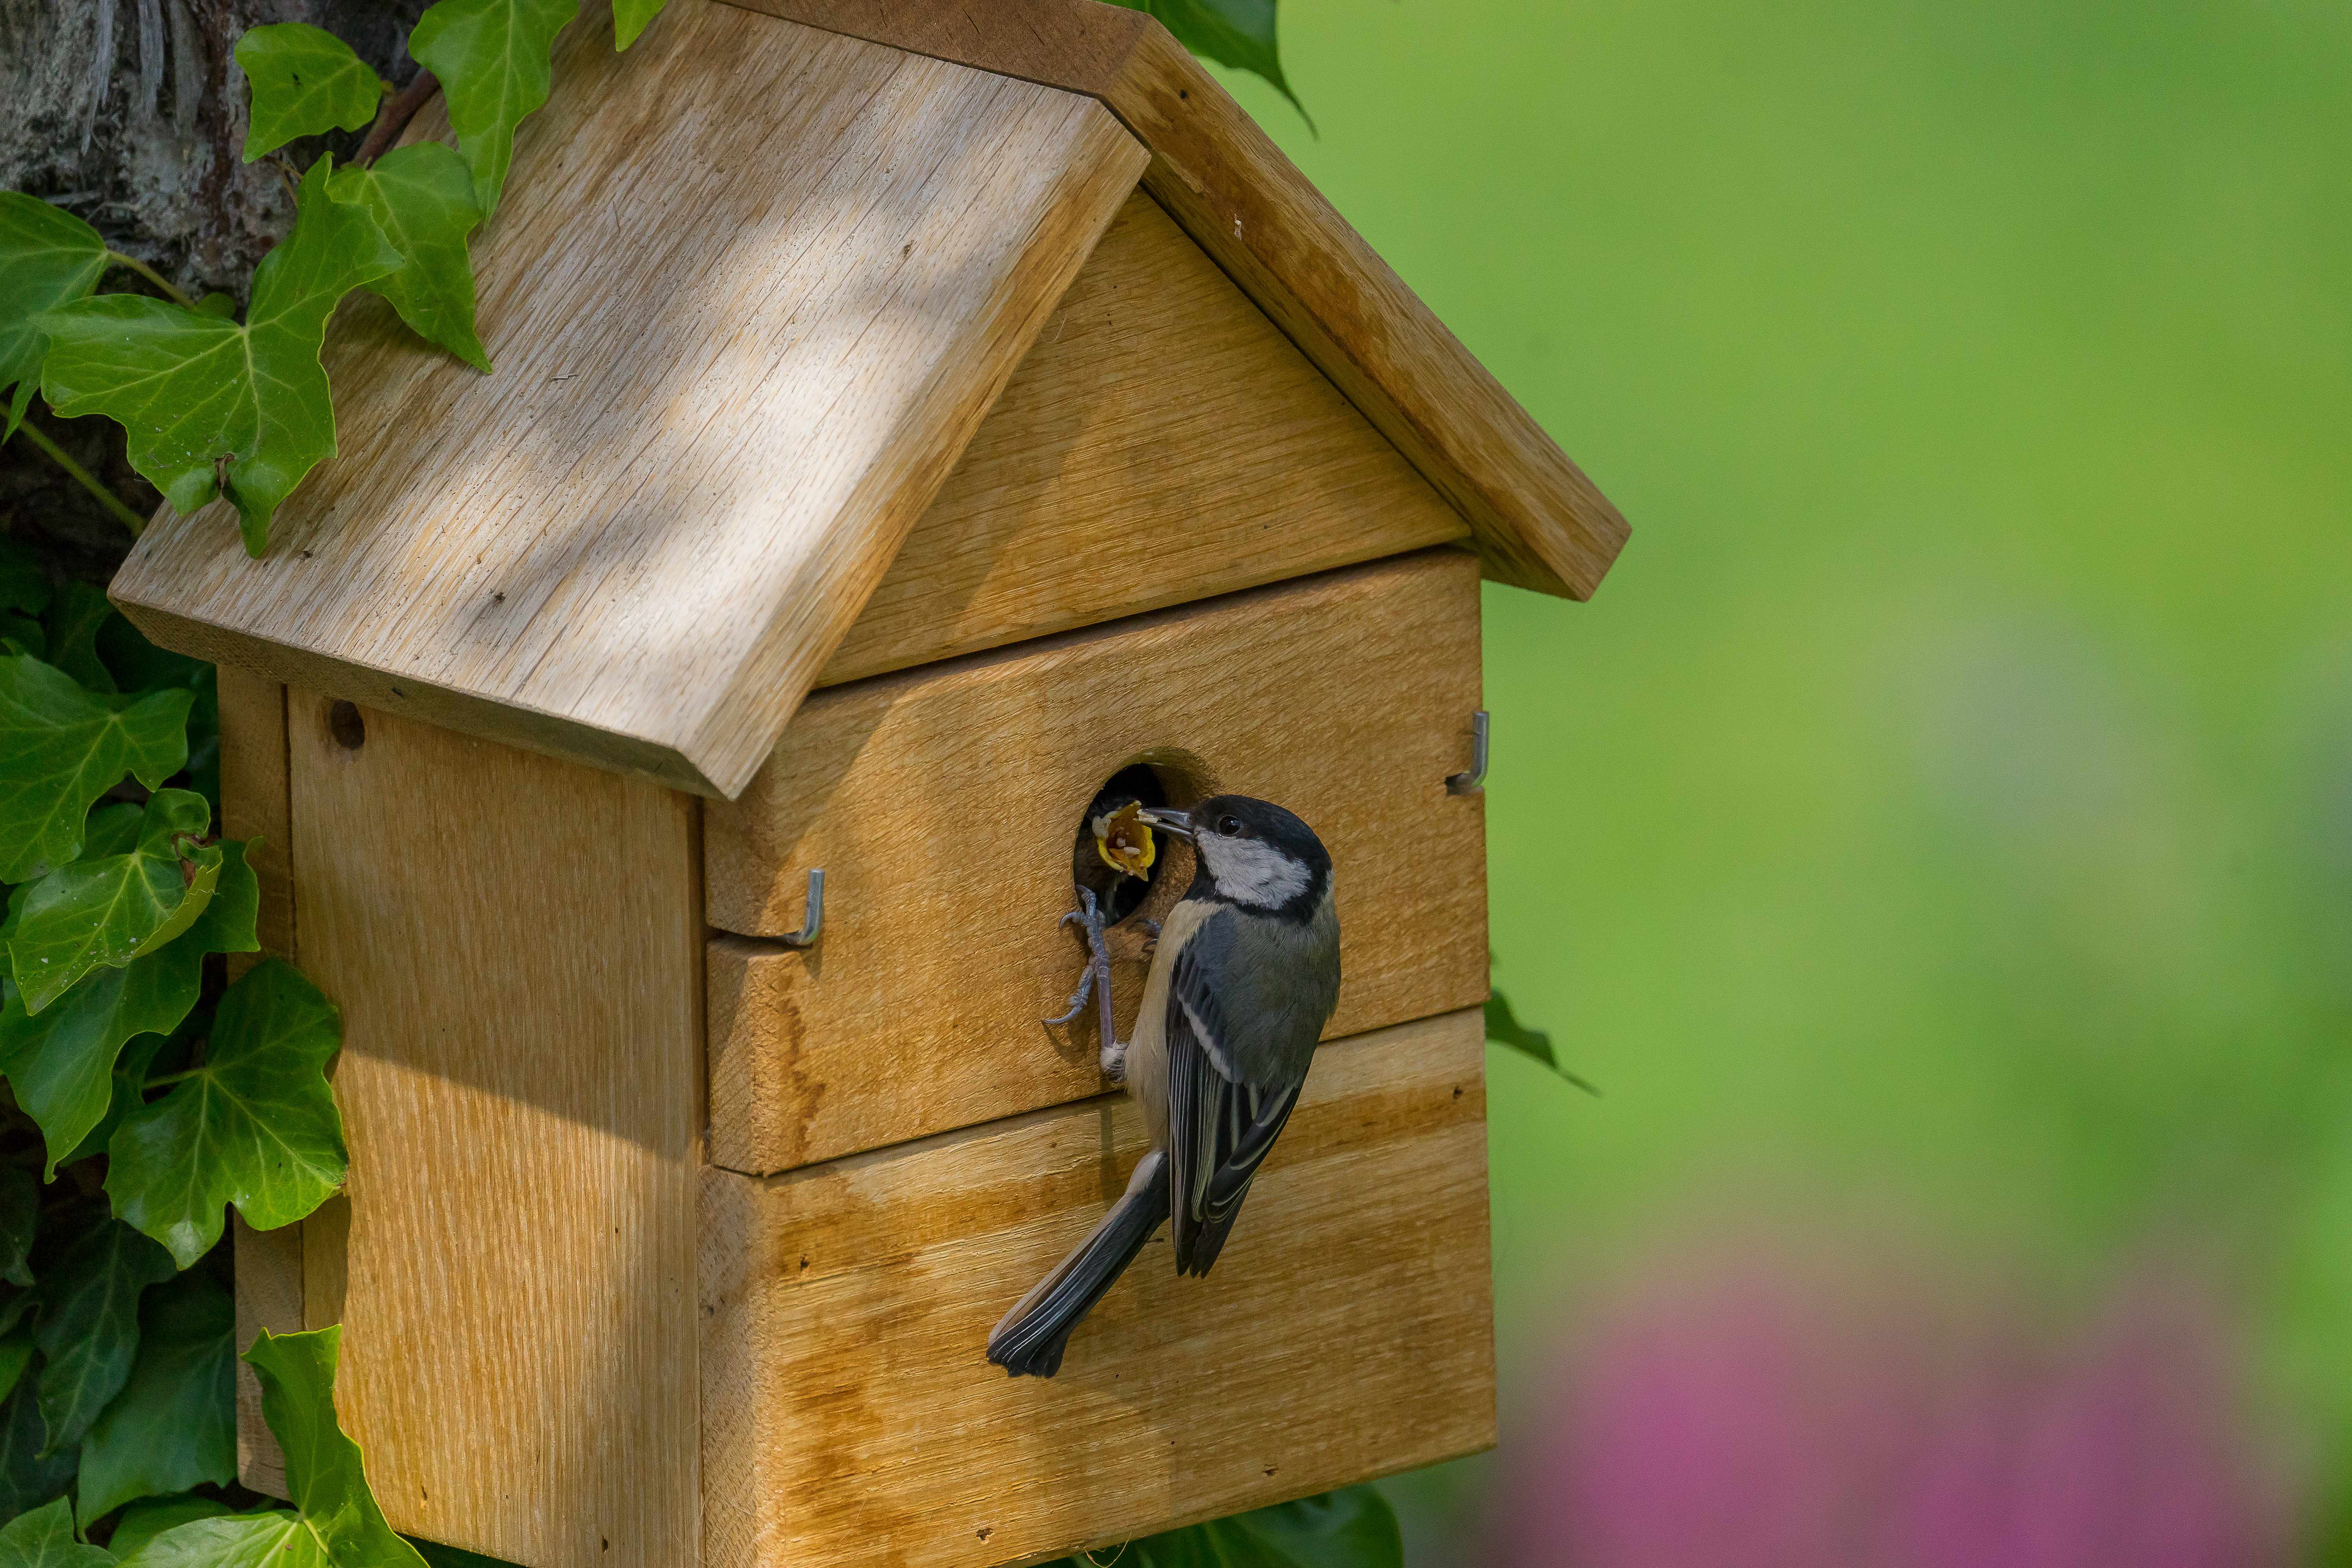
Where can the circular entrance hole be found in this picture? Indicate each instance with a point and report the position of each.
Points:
(1172, 780)
(345, 723)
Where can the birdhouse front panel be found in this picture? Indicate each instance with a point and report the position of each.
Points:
(1162, 442)
(941, 803)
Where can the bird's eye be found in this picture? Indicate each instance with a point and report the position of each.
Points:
(1231, 826)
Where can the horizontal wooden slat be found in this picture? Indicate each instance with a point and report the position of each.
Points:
(941, 804)
(1162, 443)
(849, 1416)
(1540, 523)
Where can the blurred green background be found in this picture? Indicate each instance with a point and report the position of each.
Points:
(1940, 822)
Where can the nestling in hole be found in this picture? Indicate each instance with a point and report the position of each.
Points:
(1114, 863)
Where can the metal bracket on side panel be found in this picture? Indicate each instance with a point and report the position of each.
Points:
(1475, 781)
(811, 914)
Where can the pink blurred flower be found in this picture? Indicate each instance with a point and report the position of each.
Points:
(1765, 1411)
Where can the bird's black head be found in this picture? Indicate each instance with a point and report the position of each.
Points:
(1255, 853)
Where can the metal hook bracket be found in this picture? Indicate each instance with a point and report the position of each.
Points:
(811, 914)
(1475, 781)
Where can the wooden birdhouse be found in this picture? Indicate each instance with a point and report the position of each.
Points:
(906, 418)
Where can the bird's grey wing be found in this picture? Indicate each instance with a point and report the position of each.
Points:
(1223, 1116)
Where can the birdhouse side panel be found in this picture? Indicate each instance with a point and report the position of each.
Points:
(1162, 442)
(941, 805)
(1345, 1333)
(515, 945)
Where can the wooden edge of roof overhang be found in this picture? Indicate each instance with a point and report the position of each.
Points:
(815, 256)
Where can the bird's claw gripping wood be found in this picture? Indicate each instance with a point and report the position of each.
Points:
(1095, 981)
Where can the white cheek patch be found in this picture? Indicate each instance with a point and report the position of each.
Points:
(1251, 871)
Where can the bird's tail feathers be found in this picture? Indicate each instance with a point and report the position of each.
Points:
(1030, 1341)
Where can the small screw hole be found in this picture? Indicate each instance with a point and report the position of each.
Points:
(345, 723)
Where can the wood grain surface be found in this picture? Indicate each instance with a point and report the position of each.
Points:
(255, 804)
(1540, 523)
(1162, 443)
(255, 807)
(268, 1296)
(750, 290)
(942, 803)
(849, 1414)
(515, 944)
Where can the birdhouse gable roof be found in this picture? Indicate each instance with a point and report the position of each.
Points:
(753, 286)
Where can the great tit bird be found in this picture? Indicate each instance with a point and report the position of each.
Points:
(1245, 976)
(1110, 863)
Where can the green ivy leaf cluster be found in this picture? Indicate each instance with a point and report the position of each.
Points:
(214, 406)
(185, 1436)
(116, 1378)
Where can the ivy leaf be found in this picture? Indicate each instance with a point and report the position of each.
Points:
(30, 1476)
(629, 19)
(63, 1064)
(117, 908)
(1350, 1528)
(48, 257)
(1235, 33)
(1504, 1028)
(324, 1469)
(130, 1084)
(173, 1425)
(198, 394)
(140, 665)
(256, 1125)
(422, 198)
(44, 1539)
(71, 633)
(24, 585)
(274, 1540)
(493, 59)
(142, 1521)
(111, 829)
(89, 1332)
(203, 736)
(305, 80)
(61, 747)
(21, 634)
(20, 1218)
(16, 1355)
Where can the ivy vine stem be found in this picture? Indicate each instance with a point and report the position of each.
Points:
(393, 117)
(169, 1079)
(113, 503)
(116, 258)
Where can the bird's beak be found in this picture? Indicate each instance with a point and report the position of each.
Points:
(1173, 822)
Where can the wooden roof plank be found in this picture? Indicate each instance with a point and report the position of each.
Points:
(1540, 523)
(752, 290)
